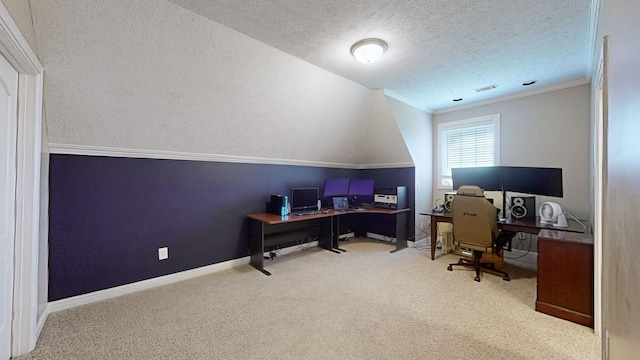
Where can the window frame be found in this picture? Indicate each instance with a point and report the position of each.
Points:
(462, 124)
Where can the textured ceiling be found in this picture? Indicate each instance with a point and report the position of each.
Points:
(439, 50)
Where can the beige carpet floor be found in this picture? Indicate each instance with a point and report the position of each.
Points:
(362, 304)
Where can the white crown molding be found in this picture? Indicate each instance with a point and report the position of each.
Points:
(386, 165)
(407, 101)
(72, 149)
(592, 42)
(520, 94)
(594, 20)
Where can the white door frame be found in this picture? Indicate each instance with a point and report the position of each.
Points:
(599, 180)
(25, 326)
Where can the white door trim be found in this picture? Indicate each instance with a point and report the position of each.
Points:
(14, 47)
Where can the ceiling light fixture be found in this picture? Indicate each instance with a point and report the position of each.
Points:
(368, 50)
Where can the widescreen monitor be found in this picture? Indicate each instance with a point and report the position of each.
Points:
(336, 187)
(486, 177)
(361, 187)
(532, 180)
(304, 198)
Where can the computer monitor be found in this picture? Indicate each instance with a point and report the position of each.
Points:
(533, 180)
(361, 187)
(304, 198)
(488, 178)
(336, 187)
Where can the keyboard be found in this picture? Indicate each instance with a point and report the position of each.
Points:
(306, 212)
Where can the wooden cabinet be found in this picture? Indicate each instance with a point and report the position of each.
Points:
(565, 276)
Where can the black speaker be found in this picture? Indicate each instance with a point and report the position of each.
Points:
(448, 199)
(523, 208)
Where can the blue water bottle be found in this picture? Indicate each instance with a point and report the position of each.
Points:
(284, 211)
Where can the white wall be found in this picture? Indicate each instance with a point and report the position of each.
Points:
(151, 75)
(382, 144)
(416, 127)
(620, 245)
(544, 130)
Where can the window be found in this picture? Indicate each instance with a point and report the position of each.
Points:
(467, 143)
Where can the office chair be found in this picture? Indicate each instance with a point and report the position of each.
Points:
(475, 228)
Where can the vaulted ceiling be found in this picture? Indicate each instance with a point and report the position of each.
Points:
(438, 50)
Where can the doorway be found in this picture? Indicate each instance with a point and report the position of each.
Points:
(8, 171)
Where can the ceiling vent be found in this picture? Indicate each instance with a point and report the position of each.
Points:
(490, 87)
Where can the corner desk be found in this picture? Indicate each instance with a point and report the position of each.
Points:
(269, 230)
(525, 226)
(565, 266)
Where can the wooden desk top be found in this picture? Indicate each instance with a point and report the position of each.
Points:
(271, 219)
(518, 225)
(573, 226)
(563, 236)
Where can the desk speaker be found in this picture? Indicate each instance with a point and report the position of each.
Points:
(448, 200)
(523, 208)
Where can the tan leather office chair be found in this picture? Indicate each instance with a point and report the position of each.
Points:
(475, 228)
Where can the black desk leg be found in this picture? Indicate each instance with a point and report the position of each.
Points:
(257, 246)
(326, 234)
(401, 230)
(336, 233)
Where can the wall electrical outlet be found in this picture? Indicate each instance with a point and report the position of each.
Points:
(521, 235)
(163, 253)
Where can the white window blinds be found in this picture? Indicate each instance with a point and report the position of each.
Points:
(467, 143)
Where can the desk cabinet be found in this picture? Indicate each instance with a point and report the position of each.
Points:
(565, 276)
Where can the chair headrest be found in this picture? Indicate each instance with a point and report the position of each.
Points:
(470, 190)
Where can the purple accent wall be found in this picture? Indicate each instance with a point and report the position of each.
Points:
(108, 216)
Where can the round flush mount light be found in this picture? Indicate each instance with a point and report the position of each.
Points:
(368, 50)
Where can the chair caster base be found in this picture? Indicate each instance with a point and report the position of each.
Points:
(477, 278)
(449, 268)
(506, 278)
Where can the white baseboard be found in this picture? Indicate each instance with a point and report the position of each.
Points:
(100, 295)
(41, 321)
(425, 239)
